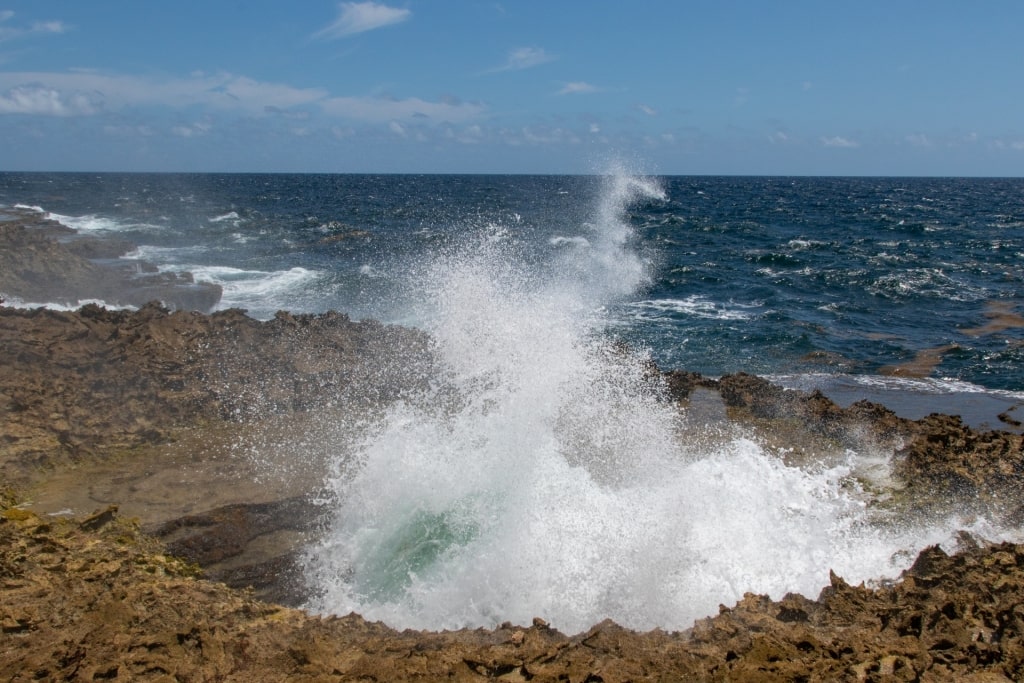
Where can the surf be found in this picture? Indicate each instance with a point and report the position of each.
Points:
(544, 473)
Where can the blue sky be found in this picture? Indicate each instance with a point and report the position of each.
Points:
(926, 87)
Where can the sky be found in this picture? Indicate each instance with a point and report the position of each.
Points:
(667, 87)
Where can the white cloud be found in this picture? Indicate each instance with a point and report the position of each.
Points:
(37, 98)
(48, 27)
(85, 92)
(919, 140)
(778, 137)
(358, 17)
(577, 88)
(837, 141)
(1015, 145)
(471, 135)
(38, 27)
(397, 128)
(650, 111)
(594, 129)
(525, 58)
(80, 93)
(196, 129)
(390, 109)
(245, 90)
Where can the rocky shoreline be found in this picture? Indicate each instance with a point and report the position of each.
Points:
(137, 542)
(98, 598)
(42, 260)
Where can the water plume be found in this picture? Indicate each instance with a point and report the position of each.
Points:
(542, 474)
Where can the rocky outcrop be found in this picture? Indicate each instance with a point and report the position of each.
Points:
(36, 266)
(940, 463)
(814, 411)
(93, 381)
(949, 464)
(215, 540)
(96, 600)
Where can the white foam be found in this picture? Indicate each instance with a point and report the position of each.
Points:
(577, 241)
(30, 207)
(163, 256)
(695, 306)
(231, 217)
(260, 292)
(802, 244)
(932, 385)
(927, 282)
(93, 223)
(16, 302)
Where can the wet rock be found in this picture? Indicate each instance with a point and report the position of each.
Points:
(220, 542)
(680, 383)
(962, 467)
(93, 248)
(38, 267)
(860, 424)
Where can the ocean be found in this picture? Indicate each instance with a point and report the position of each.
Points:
(556, 485)
(853, 285)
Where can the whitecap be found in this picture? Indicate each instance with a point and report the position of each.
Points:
(694, 306)
(231, 217)
(17, 302)
(578, 241)
(30, 207)
(99, 224)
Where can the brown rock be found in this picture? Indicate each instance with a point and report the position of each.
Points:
(94, 381)
(130, 611)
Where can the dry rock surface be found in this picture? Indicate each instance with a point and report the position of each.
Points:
(74, 385)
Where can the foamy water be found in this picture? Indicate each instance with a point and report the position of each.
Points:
(543, 476)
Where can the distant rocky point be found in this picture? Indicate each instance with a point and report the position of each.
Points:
(43, 261)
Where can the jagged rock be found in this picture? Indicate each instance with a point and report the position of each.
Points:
(94, 603)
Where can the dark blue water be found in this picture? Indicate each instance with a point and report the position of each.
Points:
(813, 280)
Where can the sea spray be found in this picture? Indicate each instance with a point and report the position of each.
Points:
(542, 474)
